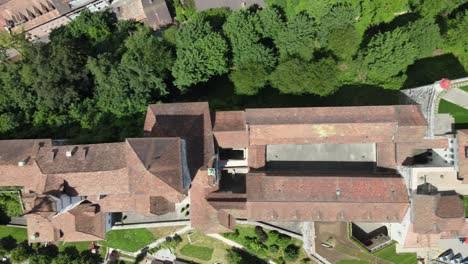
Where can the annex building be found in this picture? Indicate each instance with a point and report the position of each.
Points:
(288, 164)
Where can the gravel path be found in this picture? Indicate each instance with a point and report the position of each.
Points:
(226, 241)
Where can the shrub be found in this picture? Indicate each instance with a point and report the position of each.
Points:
(291, 253)
(281, 260)
(254, 244)
(274, 236)
(305, 261)
(8, 243)
(21, 253)
(177, 238)
(261, 234)
(274, 248)
(283, 240)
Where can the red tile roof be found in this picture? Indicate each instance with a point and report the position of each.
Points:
(163, 158)
(14, 151)
(189, 121)
(326, 198)
(334, 124)
(84, 158)
(334, 188)
(230, 129)
(437, 213)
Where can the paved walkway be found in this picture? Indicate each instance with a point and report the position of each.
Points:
(457, 96)
(226, 241)
(152, 225)
(155, 243)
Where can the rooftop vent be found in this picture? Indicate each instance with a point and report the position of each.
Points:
(70, 152)
(23, 162)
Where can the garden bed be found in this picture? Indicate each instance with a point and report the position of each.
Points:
(10, 203)
(268, 244)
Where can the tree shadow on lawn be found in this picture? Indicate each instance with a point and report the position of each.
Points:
(220, 94)
(428, 70)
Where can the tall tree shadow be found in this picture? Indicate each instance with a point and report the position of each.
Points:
(428, 70)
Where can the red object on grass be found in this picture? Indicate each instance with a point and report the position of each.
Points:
(92, 245)
(445, 83)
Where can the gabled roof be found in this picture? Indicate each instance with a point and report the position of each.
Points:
(383, 188)
(188, 121)
(163, 158)
(84, 158)
(335, 124)
(14, 151)
(326, 198)
(230, 129)
(437, 213)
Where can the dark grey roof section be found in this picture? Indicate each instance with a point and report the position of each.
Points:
(62, 6)
(157, 13)
(201, 5)
(187, 180)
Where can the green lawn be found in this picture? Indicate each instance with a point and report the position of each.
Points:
(459, 113)
(219, 249)
(352, 261)
(80, 246)
(17, 233)
(128, 239)
(464, 88)
(198, 252)
(390, 254)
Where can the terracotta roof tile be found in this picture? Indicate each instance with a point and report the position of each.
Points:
(189, 121)
(334, 188)
(14, 151)
(230, 129)
(84, 158)
(333, 124)
(229, 121)
(437, 213)
(160, 205)
(450, 206)
(163, 158)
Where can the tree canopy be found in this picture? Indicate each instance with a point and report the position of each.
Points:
(93, 81)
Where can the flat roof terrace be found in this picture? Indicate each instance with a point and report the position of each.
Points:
(355, 152)
(327, 157)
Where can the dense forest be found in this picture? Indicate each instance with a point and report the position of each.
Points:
(93, 81)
